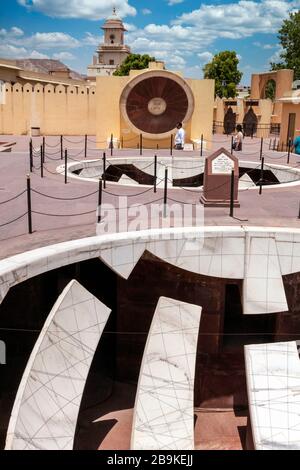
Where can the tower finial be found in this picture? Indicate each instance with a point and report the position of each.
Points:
(114, 10)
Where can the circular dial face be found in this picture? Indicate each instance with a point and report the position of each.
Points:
(155, 105)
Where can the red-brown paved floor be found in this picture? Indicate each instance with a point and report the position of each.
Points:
(108, 426)
(275, 207)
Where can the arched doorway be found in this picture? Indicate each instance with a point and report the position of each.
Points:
(229, 121)
(250, 122)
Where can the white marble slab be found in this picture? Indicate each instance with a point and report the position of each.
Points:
(245, 182)
(273, 383)
(263, 285)
(164, 406)
(46, 407)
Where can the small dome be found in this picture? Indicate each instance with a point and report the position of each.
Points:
(114, 16)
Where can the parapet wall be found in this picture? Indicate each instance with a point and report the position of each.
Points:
(61, 109)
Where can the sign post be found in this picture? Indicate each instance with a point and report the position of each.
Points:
(218, 185)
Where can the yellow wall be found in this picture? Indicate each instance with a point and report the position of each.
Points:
(109, 90)
(264, 118)
(288, 108)
(202, 118)
(56, 110)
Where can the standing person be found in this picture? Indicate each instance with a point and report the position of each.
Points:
(238, 139)
(180, 137)
(297, 142)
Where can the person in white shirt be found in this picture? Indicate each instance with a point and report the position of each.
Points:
(180, 137)
(238, 139)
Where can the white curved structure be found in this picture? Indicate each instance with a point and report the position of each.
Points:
(46, 407)
(164, 407)
(178, 168)
(273, 383)
(258, 255)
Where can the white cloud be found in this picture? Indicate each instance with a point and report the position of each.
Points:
(8, 51)
(88, 9)
(11, 34)
(17, 32)
(130, 27)
(37, 55)
(205, 56)
(276, 56)
(39, 41)
(265, 46)
(241, 19)
(50, 40)
(146, 11)
(174, 2)
(63, 56)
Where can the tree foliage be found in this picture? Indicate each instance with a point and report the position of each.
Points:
(270, 90)
(224, 70)
(289, 37)
(133, 62)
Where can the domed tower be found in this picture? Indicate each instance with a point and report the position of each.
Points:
(113, 51)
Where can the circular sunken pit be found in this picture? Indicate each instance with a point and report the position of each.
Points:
(182, 172)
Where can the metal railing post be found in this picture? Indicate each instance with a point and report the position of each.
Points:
(166, 192)
(104, 170)
(31, 155)
(141, 144)
(111, 145)
(29, 211)
(261, 147)
(261, 175)
(61, 147)
(85, 145)
(155, 173)
(42, 163)
(231, 193)
(201, 147)
(99, 200)
(66, 166)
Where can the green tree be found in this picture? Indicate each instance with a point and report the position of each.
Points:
(289, 37)
(133, 62)
(224, 70)
(270, 90)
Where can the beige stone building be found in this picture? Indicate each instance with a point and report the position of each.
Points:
(35, 71)
(290, 120)
(118, 106)
(113, 51)
(257, 114)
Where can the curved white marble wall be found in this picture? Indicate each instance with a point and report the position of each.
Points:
(273, 383)
(258, 255)
(46, 407)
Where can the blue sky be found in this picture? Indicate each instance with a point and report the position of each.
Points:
(184, 33)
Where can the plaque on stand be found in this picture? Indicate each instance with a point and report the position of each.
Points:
(217, 179)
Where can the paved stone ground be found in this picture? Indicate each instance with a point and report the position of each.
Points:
(275, 207)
